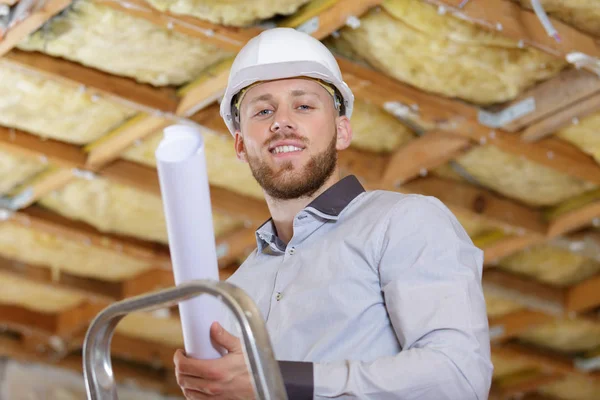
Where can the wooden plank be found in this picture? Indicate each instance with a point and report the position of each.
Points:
(31, 23)
(205, 90)
(45, 220)
(58, 153)
(562, 118)
(548, 361)
(573, 220)
(110, 146)
(517, 23)
(548, 152)
(41, 185)
(523, 383)
(222, 200)
(235, 245)
(478, 203)
(513, 324)
(124, 372)
(583, 296)
(551, 96)
(545, 296)
(142, 96)
(424, 153)
(210, 119)
(331, 18)
(227, 38)
(509, 245)
(367, 166)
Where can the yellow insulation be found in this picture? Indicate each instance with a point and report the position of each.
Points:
(518, 178)
(565, 335)
(145, 326)
(584, 134)
(581, 14)
(551, 265)
(44, 107)
(572, 387)
(15, 169)
(34, 296)
(498, 305)
(117, 43)
(230, 12)
(64, 255)
(410, 41)
(504, 366)
(112, 207)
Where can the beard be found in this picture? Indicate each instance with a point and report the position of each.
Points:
(285, 184)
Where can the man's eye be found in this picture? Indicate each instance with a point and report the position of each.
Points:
(305, 107)
(263, 112)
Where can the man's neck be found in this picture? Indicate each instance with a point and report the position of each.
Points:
(284, 211)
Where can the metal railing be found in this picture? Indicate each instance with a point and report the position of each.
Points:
(97, 367)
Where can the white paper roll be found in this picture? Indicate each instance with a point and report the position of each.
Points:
(185, 193)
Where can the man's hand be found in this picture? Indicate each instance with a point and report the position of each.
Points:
(224, 378)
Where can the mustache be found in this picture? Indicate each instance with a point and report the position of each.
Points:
(285, 136)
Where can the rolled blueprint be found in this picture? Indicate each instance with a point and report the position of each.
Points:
(185, 193)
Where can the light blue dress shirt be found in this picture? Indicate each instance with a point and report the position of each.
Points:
(380, 291)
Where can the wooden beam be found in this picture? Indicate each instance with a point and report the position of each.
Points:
(548, 361)
(552, 153)
(532, 293)
(574, 219)
(424, 153)
(545, 99)
(42, 184)
(321, 23)
(205, 89)
(235, 245)
(143, 282)
(515, 323)
(124, 372)
(142, 96)
(478, 203)
(47, 221)
(509, 245)
(55, 152)
(583, 296)
(521, 383)
(31, 23)
(517, 23)
(222, 200)
(110, 146)
(561, 118)
(228, 38)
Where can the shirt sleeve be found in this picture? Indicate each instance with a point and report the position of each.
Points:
(430, 274)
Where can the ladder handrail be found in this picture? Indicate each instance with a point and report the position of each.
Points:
(97, 367)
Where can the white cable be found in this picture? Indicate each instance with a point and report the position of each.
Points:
(543, 17)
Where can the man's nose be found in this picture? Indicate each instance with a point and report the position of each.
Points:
(282, 122)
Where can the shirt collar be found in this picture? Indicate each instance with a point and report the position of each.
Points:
(328, 205)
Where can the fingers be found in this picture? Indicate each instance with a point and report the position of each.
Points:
(224, 338)
(194, 387)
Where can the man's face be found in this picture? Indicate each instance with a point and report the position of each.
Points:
(290, 136)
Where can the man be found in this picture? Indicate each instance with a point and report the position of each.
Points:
(365, 295)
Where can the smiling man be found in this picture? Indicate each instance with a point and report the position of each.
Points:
(365, 294)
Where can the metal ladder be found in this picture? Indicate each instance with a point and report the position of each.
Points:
(97, 368)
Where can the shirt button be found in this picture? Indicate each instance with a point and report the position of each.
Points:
(292, 251)
(279, 296)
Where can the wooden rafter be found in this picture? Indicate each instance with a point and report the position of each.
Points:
(549, 97)
(422, 154)
(31, 23)
(40, 185)
(523, 382)
(96, 82)
(517, 23)
(227, 38)
(510, 325)
(562, 118)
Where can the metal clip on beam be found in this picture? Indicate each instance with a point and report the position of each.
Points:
(97, 368)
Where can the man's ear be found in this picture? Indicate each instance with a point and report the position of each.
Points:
(240, 148)
(344, 132)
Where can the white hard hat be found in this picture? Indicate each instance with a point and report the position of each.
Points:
(281, 53)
